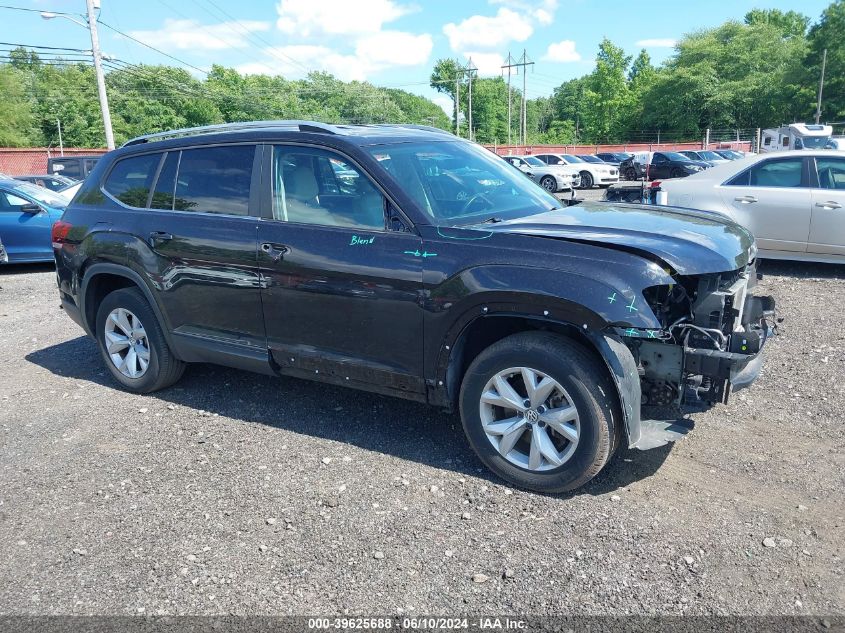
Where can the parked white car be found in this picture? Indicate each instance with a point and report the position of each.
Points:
(552, 178)
(793, 202)
(591, 173)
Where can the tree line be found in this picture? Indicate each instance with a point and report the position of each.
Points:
(37, 92)
(760, 72)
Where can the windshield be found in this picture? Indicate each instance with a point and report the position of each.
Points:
(676, 156)
(592, 159)
(533, 160)
(708, 155)
(811, 142)
(461, 182)
(41, 194)
(571, 158)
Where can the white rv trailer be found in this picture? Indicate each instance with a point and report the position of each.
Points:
(796, 136)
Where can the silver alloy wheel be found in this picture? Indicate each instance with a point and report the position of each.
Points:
(529, 418)
(127, 343)
(548, 183)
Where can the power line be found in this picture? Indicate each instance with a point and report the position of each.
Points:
(52, 48)
(153, 48)
(7, 6)
(255, 36)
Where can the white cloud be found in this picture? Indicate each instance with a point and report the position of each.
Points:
(445, 103)
(541, 10)
(487, 63)
(393, 48)
(479, 31)
(337, 17)
(372, 53)
(191, 34)
(563, 51)
(658, 43)
(315, 57)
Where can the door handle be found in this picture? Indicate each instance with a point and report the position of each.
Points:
(830, 204)
(275, 251)
(746, 199)
(159, 236)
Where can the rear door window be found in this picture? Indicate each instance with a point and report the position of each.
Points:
(831, 173)
(131, 178)
(214, 179)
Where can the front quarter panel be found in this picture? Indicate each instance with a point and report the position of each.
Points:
(471, 274)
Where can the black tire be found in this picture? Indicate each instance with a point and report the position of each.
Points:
(677, 173)
(631, 173)
(586, 380)
(548, 183)
(164, 368)
(586, 180)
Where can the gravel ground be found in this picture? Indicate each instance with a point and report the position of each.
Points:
(243, 494)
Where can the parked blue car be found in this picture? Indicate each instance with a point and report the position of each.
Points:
(27, 213)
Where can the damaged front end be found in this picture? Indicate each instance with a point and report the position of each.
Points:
(713, 330)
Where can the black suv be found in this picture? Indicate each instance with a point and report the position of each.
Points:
(408, 262)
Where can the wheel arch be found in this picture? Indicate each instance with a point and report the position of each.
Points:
(100, 279)
(485, 329)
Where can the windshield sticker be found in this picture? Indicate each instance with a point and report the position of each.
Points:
(361, 241)
(612, 298)
(631, 307)
(424, 254)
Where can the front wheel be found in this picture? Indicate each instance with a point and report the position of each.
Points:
(630, 173)
(540, 411)
(133, 345)
(549, 184)
(586, 180)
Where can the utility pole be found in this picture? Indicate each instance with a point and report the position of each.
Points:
(457, 97)
(98, 68)
(523, 63)
(61, 145)
(821, 87)
(470, 68)
(509, 63)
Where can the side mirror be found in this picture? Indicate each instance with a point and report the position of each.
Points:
(31, 208)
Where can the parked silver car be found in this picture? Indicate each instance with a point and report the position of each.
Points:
(791, 201)
(552, 178)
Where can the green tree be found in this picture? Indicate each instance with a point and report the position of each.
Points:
(606, 97)
(17, 123)
(828, 33)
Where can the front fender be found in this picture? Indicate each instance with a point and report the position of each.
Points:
(590, 302)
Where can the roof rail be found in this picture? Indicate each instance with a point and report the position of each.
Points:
(302, 126)
(413, 126)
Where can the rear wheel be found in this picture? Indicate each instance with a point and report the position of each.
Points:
(586, 180)
(133, 345)
(548, 183)
(540, 411)
(630, 173)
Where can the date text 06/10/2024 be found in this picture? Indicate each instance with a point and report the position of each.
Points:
(418, 623)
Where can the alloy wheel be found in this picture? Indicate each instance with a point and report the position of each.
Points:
(126, 343)
(529, 418)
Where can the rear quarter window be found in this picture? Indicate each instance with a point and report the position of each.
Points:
(131, 178)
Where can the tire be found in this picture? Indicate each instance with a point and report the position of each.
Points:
(586, 385)
(630, 173)
(676, 173)
(548, 183)
(163, 368)
(586, 180)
